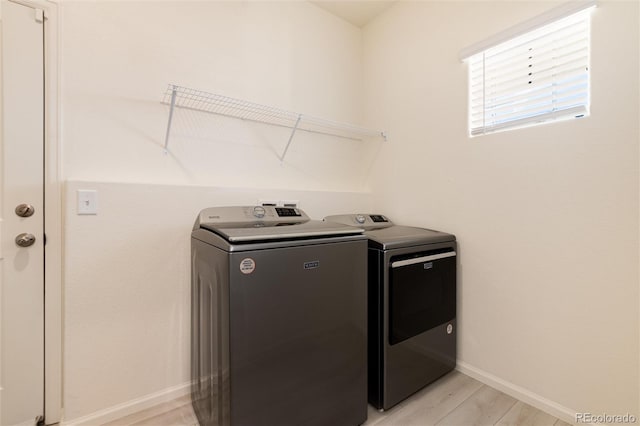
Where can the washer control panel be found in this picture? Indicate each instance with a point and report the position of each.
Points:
(248, 215)
(288, 212)
(378, 218)
(364, 221)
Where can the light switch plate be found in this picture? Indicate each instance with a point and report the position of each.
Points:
(87, 201)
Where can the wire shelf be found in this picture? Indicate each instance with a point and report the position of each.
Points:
(197, 100)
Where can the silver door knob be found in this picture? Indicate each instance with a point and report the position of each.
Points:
(25, 210)
(25, 240)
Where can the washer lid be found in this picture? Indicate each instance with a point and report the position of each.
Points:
(237, 233)
(260, 223)
(405, 236)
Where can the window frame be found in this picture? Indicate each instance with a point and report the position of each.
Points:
(557, 90)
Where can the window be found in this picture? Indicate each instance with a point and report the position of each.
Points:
(539, 75)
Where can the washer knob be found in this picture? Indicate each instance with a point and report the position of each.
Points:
(259, 212)
(360, 219)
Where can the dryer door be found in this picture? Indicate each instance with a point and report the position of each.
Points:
(422, 293)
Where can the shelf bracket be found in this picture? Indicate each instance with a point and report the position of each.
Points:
(173, 104)
(293, 132)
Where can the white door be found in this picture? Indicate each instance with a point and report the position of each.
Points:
(22, 282)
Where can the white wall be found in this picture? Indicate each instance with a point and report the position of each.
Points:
(119, 57)
(126, 289)
(546, 217)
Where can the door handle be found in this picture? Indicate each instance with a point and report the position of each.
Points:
(423, 259)
(25, 240)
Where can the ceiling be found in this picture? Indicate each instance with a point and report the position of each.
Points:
(357, 12)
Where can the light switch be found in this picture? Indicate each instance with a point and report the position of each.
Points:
(87, 201)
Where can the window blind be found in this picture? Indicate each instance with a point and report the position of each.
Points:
(535, 77)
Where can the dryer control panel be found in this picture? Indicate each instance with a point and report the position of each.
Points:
(360, 220)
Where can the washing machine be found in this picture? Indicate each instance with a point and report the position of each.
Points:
(411, 306)
(278, 308)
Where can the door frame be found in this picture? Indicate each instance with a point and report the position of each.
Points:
(53, 217)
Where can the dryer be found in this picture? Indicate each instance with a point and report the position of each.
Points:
(278, 332)
(411, 306)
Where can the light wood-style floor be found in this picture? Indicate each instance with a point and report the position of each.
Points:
(454, 400)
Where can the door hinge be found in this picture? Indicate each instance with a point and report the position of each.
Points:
(39, 16)
(40, 421)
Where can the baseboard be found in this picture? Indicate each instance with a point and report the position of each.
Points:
(130, 407)
(563, 413)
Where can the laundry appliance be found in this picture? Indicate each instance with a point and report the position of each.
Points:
(411, 306)
(278, 330)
